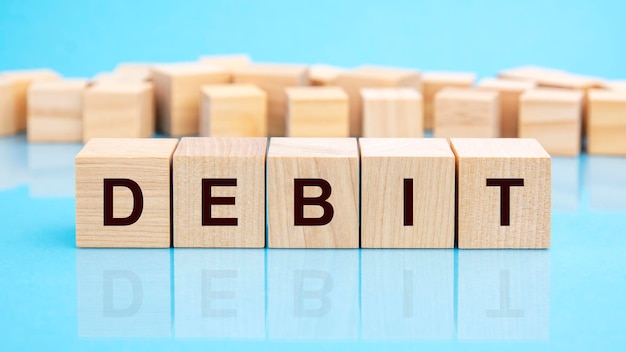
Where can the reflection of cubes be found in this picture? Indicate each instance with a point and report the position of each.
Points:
(504, 295)
(407, 294)
(606, 177)
(313, 294)
(51, 169)
(12, 161)
(123, 293)
(220, 293)
(565, 183)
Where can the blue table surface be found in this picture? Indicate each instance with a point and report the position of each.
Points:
(55, 295)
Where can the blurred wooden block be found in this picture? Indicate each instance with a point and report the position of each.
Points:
(407, 193)
(618, 85)
(13, 97)
(177, 88)
(433, 82)
(122, 110)
(313, 193)
(510, 92)
(466, 112)
(123, 193)
(554, 117)
(274, 79)
(134, 70)
(606, 133)
(317, 112)
(392, 112)
(503, 193)
(324, 75)
(228, 62)
(55, 111)
(551, 78)
(372, 77)
(219, 192)
(233, 110)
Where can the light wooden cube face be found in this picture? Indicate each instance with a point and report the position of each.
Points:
(433, 82)
(317, 112)
(392, 112)
(233, 111)
(230, 174)
(146, 162)
(407, 193)
(606, 133)
(510, 92)
(466, 113)
(122, 111)
(324, 175)
(484, 168)
(8, 120)
(55, 111)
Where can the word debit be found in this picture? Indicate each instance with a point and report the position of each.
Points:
(313, 193)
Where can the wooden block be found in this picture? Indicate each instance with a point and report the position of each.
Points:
(510, 91)
(233, 110)
(228, 62)
(606, 133)
(177, 88)
(466, 112)
(123, 193)
(13, 97)
(433, 82)
(55, 111)
(618, 85)
(554, 117)
(219, 192)
(317, 112)
(407, 193)
(392, 112)
(373, 77)
(324, 75)
(134, 70)
(547, 77)
(313, 193)
(117, 78)
(503, 193)
(273, 79)
(123, 110)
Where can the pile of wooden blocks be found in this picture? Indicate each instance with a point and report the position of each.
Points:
(231, 96)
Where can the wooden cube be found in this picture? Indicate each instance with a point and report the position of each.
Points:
(219, 192)
(554, 117)
(618, 85)
(466, 112)
(55, 111)
(433, 82)
(317, 112)
(233, 110)
(274, 79)
(324, 75)
(606, 133)
(372, 77)
(503, 193)
(510, 91)
(392, 112)
(123, 110)
(177, 88)
(13, 97)
(313, 193)
(551, 78)
(407, 193)
(123, 193)
(228, 62)
(134, 70)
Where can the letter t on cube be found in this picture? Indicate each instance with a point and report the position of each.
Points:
(503, 193)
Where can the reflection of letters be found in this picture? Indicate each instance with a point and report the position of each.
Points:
(208, 294)
(300, 294)
(505, 310)
(108, 279)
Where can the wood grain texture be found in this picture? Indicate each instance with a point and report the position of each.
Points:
(324, 75)
(335, 160)
(233, 110)
(274, 79)
(466, 112)
(200, 158)
(392, 112)
(373, 77)
(510, 92)
(145, 161)
(123, 110)
(433, 82)
(479, 211)
(55, 111)
(554, 117)
(385, 164)
(177, 87)
(606, 134)
(317, 112)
